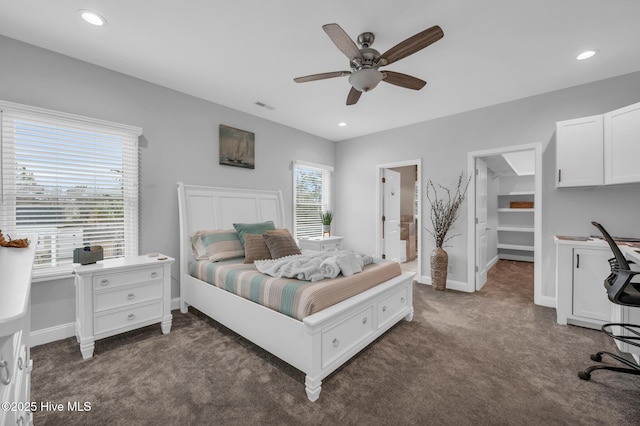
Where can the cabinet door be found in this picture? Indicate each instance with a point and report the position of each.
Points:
(590, 268)
(622, 145)
(579, 150)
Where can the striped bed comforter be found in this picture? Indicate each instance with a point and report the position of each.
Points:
(288, 296)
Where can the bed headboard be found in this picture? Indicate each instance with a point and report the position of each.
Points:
(208, 207)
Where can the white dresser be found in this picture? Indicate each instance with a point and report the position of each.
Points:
(15, 312)
(321, 243)
(118, 295)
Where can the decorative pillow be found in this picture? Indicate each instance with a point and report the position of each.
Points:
(281, 245)
(215, 245)
(256, 249)
(253, 228)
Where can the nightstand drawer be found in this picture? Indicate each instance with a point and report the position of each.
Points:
(103, 300)
(121, 318)
(124, 278)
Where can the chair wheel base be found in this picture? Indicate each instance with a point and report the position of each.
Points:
(596, 357)
(584, 375)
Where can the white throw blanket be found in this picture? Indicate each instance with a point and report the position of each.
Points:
(314, 265)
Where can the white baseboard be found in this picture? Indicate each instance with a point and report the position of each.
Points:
(175, 303)
(493, 261)
(51, 334)
(451, 285)
(549, 302)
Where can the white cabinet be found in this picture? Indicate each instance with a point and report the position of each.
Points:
(118, 295)
(15, 311)
(579, 152)
(321, 243)
(622, 145)
(597, 150)
(516, 226)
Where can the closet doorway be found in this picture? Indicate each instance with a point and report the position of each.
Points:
(504, 211)
(409, 224)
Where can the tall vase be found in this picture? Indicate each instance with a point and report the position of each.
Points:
(439, 265)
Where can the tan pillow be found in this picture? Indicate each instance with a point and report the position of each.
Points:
(281, 245)
(256, 248)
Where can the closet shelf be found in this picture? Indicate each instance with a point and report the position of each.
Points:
(515, 228)
(514, 193)
(515, 247)
(506, 209)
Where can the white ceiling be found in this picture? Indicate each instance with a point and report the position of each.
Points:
(236, 53)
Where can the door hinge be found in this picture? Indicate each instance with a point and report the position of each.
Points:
(384, 218)
(559, 175)
(477, 172)
(476, 220)
(476, 269)
(384, 256)
(384, 180)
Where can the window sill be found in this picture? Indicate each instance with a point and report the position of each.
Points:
(52, 276)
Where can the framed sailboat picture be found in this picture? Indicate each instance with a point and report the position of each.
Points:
(237, 147)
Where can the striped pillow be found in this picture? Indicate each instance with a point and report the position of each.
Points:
(256, 249)
(215, 245)
(281, 245)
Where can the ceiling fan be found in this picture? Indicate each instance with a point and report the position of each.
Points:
(365, 61)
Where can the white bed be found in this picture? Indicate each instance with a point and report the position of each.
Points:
(319, 344)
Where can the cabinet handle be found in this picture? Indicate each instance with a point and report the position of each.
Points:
(364, 320)
(131, 296)
(336, 342)
(402, 299)
(154, 274)
(4, 365)
(384, 309)
(559, 175)
(20, 363)
(130, 317)
(577, 260)
(104, 282)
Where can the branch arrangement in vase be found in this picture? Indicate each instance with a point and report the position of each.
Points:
(444, 210)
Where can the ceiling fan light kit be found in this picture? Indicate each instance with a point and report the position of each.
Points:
(366, 61)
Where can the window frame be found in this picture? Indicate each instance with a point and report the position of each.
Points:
(326, 203)
(126, 138)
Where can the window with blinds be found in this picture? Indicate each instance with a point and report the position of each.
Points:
(311, 196)
(71, 180)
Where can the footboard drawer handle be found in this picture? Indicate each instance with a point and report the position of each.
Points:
(154, 274)
(104, 282)
(4, 365)
(402, 300)
(384, 309)
(131, 296)
(336, 342)
(131, 316)
(364, 320)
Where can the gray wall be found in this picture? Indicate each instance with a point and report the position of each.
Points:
(443, 145)
(179, 143)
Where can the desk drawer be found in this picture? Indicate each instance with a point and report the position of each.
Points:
(390, 306)
(124, 278)
(124, 296)
(116, 319)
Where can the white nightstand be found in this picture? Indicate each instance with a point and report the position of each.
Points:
(320, 243)
(118, 295)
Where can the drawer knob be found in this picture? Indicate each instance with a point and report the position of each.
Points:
(154, 274)
(384, 309)
(402, 299)
(4, 366)
(364, 320)
(131, 316)
(104, 282)
(336, 342)
(131, 296)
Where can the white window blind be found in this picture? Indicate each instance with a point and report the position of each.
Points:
(312, 196)
(70, 179)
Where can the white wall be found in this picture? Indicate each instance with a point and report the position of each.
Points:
(179, 143)
(443, 145)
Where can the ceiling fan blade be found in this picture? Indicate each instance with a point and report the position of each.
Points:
(322, 76)
(342, 41)
(403, 80)
(411, 45)
(353, 96)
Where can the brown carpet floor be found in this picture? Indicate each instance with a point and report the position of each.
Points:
(488, 358)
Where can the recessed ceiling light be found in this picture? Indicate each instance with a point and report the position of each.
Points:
(342, 124)
(92, 17)
(586, 55)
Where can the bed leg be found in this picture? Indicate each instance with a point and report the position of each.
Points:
(184, 307)
(409, 316)
(313, 388)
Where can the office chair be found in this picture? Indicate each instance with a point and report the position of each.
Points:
(621, 291)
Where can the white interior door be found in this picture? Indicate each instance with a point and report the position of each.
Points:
(391, 213)
(481, 223)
